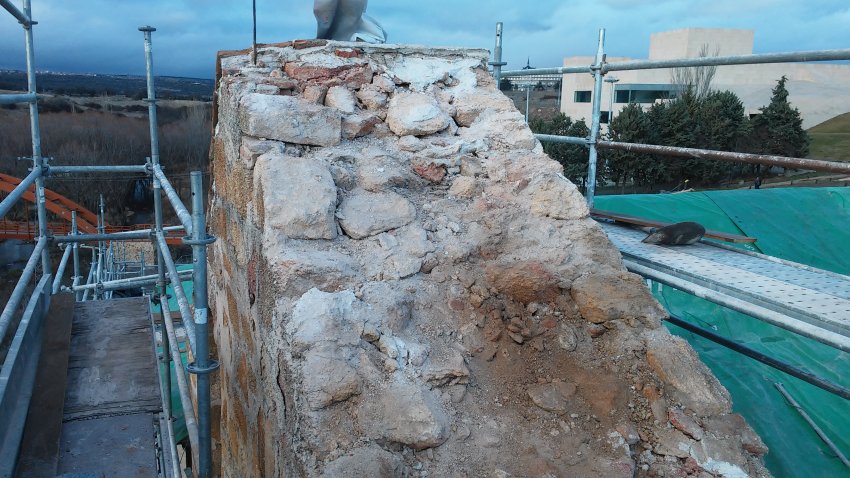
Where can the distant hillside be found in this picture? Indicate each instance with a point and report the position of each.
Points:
(831, 139)
(72, 84)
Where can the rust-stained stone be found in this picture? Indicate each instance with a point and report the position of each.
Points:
(524, 281)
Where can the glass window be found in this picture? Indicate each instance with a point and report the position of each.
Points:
(582, 97)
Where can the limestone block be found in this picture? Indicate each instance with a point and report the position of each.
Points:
(408, 415)
(372, 97)
(470, 105)
(416, 114)
(611, 295)
(464, 187)
(676, 363)
(552, 195)
(377, 173)
(322, 317)
(372, 461)
(363, 214)
(506, 129)
(341, 98)
(328, 377)
(299, 196)
(289, 119)
(359, 125)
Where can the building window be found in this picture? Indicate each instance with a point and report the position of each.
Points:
(582, 97)
(645, 93)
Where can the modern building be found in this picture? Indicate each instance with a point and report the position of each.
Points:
(819, 90)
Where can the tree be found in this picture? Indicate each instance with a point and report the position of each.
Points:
(574, 158)
(695, 78)
(633, 125)
(506, 85)
(779, 127)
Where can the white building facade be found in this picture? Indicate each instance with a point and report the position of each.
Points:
(819, 90)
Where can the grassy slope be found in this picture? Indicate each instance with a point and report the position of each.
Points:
(831, 139)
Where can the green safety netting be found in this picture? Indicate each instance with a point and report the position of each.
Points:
(806, 225)
(180, 431)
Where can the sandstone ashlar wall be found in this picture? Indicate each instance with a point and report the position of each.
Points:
(407, 286)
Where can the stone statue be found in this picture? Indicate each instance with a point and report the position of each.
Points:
(345, 20)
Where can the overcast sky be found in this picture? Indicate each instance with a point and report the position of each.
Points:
(101, 35)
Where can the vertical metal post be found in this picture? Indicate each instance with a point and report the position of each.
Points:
(101, 230)
(254, 44)
(202, 366)
(596, 68)
(527, 100)
(497, 62)
(76, 246)
(37, 158)
(154, 159)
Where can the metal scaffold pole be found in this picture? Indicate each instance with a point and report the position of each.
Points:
(596, 68)
(37, 158)
(497, 62)
(202, 366)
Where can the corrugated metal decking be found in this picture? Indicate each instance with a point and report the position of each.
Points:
(818, 298)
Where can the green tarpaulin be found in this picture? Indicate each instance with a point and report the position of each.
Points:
(806, 225)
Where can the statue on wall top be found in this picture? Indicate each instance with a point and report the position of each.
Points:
(345, 20)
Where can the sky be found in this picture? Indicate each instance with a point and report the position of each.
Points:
(101, 36)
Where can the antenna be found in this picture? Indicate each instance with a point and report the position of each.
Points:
(254, 49)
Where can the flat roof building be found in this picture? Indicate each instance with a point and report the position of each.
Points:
(819, 90)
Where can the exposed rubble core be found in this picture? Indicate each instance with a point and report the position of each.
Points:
(407, 286)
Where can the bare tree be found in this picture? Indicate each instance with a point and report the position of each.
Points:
(696, 78)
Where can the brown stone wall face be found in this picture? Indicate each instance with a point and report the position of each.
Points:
(405, 285)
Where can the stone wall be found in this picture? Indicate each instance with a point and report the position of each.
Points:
(407, 286)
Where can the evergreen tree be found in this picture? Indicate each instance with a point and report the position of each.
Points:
(779, 128)
(573, 158)
(632, 125)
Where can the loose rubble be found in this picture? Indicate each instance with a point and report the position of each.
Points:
(407, 286)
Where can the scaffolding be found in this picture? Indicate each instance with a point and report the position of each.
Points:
(111, 270)
(601, 67)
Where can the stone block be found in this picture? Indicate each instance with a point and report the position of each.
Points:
(290, 119)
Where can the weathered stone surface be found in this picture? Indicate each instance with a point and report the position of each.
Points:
(321, 317)
(443, 312)
(673, 443)
(506, 130)
(410, 416)
(363, 214)
(553, 397)
(676, 363)
(525, 281)
(328, 377)
(464, 187)
(252, 148)
(290, 119)
(341, 98)
(433, 173)
(299, 196)
(298, 270)
(471, 105)
(376, 173)
(359, 125)
(372, 461)
(372, 97)
(552, 195)
(416, 114)
(612, 295)
(684, 423)
(448, 368)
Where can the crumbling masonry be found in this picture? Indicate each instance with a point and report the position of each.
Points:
(406, 286)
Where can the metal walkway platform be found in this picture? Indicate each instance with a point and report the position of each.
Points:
(812, 302)
(112, 401)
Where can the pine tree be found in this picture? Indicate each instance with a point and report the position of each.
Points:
(779, 128)
(573, 158)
